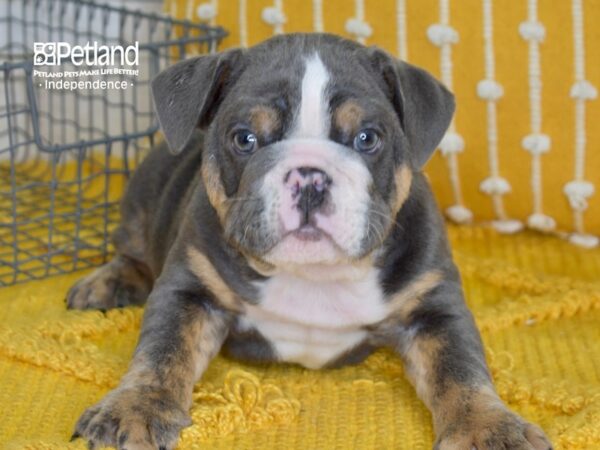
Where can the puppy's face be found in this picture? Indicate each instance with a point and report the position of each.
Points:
(308, 166)
(311, 144)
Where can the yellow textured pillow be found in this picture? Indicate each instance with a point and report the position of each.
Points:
(525, 76)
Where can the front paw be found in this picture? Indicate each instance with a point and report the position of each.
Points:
(136, 418)
(496, 429)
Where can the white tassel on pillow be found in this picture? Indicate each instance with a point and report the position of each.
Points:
(206, 11)
(359, 28)
(495, 186)
(489, 90)
(452, 142)
(459, 214)
(578, 192)
(541, 222)
(532, 31)
(440, 34)
(274, 16)
(536, 143)
(583, 90)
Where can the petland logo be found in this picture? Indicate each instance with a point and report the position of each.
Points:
(104, 67)
(90, 54)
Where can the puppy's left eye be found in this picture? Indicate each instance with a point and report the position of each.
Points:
(245, 141)
(367, 141)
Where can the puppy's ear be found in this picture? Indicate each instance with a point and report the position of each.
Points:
(187, 94)
(424, 105)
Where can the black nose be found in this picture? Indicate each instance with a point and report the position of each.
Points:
(310, 200)
(310, 186)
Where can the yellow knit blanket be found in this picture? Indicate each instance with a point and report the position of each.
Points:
(536, 300)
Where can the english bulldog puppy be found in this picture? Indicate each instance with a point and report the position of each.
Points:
(291, 222)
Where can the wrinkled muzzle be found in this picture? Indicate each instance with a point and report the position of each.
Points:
(307, 201)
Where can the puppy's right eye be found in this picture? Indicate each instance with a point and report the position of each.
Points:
(245, 141)
(367, 141)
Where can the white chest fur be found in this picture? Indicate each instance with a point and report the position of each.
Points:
(313, 322)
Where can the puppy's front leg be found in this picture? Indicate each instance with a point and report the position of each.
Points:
(181, 333)
(445, 360)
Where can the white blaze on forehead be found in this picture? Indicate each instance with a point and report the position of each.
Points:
(313, 117)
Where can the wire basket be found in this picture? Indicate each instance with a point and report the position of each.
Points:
(66, 150)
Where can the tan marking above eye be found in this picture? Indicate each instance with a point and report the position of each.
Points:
(349, 116)
(264, 119)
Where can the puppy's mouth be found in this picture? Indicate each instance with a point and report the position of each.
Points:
(309, 233)
(306, 244)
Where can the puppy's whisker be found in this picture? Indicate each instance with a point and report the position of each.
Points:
(371, 226)
(377, 231)
(244, 199)
(392, 220)
(244, 236)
